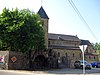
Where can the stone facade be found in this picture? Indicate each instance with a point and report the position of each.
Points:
(90, 54)
(98, 52)
(45, 26)
(66, 58)
(13, 60)
(5, 59)
(66, 49)
(18, 60)
(45, 20)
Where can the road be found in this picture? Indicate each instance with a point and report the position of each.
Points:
(94, 71)
(75, 71)
(4, 72)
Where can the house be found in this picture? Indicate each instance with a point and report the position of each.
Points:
(90, 54)
(98, 52)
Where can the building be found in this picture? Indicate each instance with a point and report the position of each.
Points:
(63, 51)
(65, 48)
(90, 53)
(45, 20)
(98, 52)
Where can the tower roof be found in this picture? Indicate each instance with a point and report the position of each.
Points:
(42, 13)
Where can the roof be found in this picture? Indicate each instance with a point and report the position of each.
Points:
(64, 47)
(91, 54)
(85, 42)
(52, 36)
(42, 13)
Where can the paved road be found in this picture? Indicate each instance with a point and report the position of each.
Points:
(75, 71)
(5, 72)
(94, 71)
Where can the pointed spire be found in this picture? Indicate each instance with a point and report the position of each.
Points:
(42, 13)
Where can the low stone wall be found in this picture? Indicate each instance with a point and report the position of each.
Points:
(13, 60)
(18, 60)
(4, 58)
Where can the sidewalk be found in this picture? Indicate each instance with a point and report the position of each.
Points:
(24, 71)
(42, 72)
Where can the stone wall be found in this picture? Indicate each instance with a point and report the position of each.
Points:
(45, 27)
(13, 60)
(68, 57)
(18, 60)
(4, 56)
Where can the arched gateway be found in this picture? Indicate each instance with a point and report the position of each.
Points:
(40, 62)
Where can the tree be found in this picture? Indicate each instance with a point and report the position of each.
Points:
(21, 30)
(96, 46)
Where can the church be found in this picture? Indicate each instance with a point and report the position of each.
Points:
(65, 48)
(62, 51)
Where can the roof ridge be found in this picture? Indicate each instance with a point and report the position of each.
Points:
(62, 34)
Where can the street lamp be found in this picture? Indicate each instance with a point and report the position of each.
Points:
(83, 48)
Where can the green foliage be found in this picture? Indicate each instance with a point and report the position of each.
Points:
(21, 30)
(96, 46)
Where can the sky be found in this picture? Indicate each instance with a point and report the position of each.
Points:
(62, 17)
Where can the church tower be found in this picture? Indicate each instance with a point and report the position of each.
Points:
(45, 19)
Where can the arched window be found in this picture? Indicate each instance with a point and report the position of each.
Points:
(94, 57)
(89, 57)
(58, 54)
(73, 54)
(66, 54)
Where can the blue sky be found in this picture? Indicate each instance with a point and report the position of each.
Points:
(63, 18)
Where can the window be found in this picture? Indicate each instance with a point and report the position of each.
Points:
(89, 57)
(63, 59)
(66, 54)
(94, 57)
(75, 44)
(49, 42)
(73, 54)
(58, 54)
